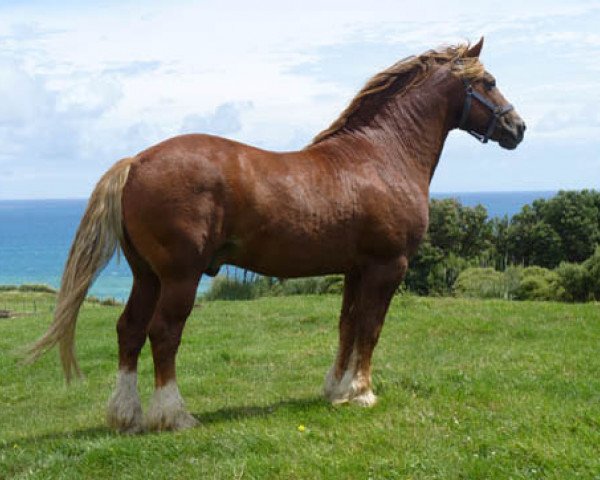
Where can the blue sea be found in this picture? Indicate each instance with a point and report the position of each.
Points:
(35, 236)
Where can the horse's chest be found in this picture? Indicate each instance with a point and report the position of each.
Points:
(398, 226)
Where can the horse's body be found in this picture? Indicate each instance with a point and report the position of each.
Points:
(279, 214)
(354, 202)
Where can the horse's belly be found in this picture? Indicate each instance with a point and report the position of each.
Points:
(284, 257)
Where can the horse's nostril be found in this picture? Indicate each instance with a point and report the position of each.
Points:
(510, 124)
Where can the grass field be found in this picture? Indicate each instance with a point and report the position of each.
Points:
(468, 390)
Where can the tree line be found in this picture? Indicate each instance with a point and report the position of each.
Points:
(563, 231)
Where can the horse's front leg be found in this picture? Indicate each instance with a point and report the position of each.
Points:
(368, 291)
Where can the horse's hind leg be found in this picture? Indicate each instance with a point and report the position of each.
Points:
(124, 412)
(368, 291)
(167, 410)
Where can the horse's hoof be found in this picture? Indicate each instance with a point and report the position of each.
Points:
(170, 421)
(167, 410)
(365, 399)
(125, 422)
(351, 388)
(124, 416)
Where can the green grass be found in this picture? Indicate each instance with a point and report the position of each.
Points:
(467, 389)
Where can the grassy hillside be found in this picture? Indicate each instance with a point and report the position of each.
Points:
(468, 389)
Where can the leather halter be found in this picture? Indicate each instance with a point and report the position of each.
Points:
(497, 112)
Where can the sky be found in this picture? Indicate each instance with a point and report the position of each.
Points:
(83, 84)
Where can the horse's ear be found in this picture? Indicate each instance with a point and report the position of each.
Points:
(475, 50)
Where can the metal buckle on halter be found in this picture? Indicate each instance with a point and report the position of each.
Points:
(497, 112)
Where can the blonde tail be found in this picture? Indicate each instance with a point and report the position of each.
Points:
(98, 236)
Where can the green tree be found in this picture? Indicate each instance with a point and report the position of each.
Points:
(417, 277)
(458, 237)
(531, 240)
(454, 228)
(445, 224)
(575, 217)
(575, 281)
(499, 239)
(476, 232)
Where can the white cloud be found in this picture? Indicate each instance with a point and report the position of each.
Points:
(224, 121)
(24, 97)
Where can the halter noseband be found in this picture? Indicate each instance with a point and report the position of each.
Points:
(497, 112)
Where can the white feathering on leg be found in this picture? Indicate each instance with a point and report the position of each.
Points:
(167, 410)
(352, 387)
(124, 412)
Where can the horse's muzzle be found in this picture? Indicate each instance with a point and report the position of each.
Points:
(512, 133)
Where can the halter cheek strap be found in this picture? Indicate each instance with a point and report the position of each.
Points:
(497, 112)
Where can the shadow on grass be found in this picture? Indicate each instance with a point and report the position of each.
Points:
(82, 434)
(228, 414)
(235, 413)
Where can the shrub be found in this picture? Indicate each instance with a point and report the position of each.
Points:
(575, 281)
(531, 283)
(308, 286)
(298, 286)
(107, 302)
(332, 284)
(443, 275)
(481, 283)
(110, 302)
(538, 283)
(512, 277)
(592, 266)
(28, 287)
(304, 286)
(223, 288)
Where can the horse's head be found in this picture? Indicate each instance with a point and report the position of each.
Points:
(485, 113)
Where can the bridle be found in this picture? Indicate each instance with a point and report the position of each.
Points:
(497, 112)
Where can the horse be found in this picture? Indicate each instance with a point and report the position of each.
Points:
(353, 202)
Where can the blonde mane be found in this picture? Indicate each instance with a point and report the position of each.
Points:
(402, 77)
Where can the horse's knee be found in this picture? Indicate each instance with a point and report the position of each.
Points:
(157, 330)
(165, 336)
(127, 328)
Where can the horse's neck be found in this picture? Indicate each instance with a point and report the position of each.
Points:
(412, 131)
(406, 136)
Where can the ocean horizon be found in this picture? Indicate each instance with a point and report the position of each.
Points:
(35, 237)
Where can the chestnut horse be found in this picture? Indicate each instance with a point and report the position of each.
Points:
(354, 201)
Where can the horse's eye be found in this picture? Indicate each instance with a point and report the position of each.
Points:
(489, 84)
